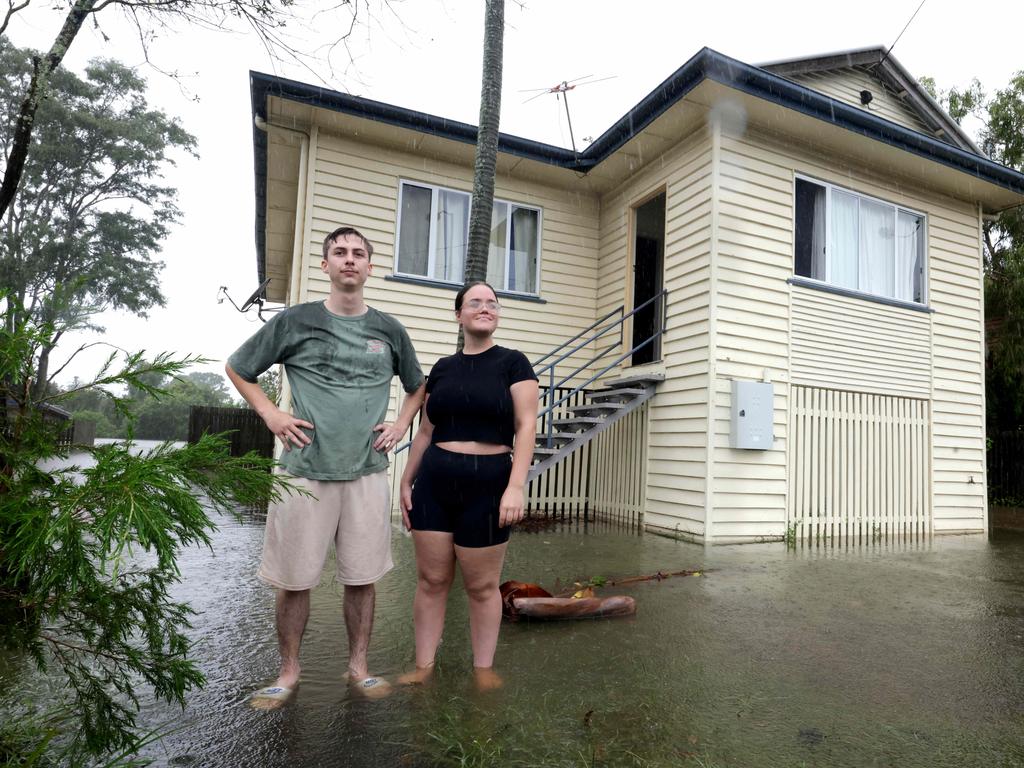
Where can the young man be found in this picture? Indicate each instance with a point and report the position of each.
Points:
(339, 356)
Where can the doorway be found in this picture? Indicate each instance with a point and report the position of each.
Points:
(648, 267)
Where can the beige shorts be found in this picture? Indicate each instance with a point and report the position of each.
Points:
(354, 514)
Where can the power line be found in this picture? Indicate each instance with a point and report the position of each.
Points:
(900, 34)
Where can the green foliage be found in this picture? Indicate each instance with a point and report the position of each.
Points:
(92, 208)
(88, 553)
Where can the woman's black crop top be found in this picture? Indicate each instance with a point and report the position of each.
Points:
(470, 397)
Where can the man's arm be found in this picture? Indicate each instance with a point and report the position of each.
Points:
(391, 433)
(285, 426)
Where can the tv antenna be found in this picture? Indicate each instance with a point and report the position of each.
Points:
(561, 91)
(256, 298)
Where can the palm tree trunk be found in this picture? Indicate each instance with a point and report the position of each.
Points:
(487, 143)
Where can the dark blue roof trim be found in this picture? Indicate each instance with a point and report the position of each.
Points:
(706, 64)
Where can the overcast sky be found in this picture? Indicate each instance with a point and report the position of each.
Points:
(426, 56)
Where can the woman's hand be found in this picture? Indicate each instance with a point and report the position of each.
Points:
(405, 503)
(511, 510)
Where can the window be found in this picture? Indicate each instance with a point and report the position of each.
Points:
(859, 243)
(433, 236)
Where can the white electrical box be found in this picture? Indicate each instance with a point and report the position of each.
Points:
(751, 425)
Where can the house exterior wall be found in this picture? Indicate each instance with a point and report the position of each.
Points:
(732, 314)
(677, 415)
(846, 85)
(358, 184)
(766, 327)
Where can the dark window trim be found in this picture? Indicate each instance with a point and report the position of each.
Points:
(816, 285)
(426, 281)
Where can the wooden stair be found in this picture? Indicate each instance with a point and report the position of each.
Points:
(605, 406)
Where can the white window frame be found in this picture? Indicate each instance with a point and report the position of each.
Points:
(828, 239)
(435, 190)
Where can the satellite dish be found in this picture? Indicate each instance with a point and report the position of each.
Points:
(256, 297)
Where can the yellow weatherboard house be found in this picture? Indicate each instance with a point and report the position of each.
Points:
(755, 301)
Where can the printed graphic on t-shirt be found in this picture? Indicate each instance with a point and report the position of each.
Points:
(376, 347)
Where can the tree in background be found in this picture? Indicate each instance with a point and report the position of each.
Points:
(88, 555)
(92, 212)
(1002, 139)
(268, 19)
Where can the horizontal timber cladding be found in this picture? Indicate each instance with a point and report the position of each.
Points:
(847, 83)
(859, 465)
(677, 414)
(357, 184)
(848, 343)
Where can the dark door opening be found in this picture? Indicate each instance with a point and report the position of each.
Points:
(648, 265)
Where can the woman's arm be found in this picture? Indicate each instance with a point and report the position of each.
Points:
(524, 403)
(412, 464)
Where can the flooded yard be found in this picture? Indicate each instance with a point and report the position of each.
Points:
(906, 654)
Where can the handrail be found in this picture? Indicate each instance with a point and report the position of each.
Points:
(570, 341)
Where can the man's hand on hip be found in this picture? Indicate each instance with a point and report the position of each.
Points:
(288, 429)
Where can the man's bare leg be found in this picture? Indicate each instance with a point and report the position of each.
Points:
(292, 615)
(292, 612)
(359, 603)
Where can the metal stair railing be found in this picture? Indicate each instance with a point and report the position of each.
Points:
(547, 413)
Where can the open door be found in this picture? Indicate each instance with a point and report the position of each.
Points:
(648, 267)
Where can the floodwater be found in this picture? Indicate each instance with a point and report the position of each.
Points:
(908, 654)
(884, 654)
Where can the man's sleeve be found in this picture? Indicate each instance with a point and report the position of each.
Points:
(406, 365)
(263, 349)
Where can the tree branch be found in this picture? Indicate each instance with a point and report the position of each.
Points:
(11, 10)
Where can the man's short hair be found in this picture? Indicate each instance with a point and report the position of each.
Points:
(342, 232)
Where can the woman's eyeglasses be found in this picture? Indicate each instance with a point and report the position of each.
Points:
(477, 304)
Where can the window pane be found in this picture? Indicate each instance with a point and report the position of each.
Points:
(522, 270)
(910, 257)
(877, 247)
(414, 239)
(498, 247)
(841, 259)
(451, 233)
(810, 230)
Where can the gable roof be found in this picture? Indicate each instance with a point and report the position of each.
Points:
(892, 75)
(705, 65)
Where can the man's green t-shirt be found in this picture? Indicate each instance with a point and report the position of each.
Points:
(339, 369)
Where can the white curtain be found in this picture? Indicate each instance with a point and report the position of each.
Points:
(498, 246)
(452, 233)
(414, 239)
(522, 273)
(909, 250)
(877, 248)
(841, 259)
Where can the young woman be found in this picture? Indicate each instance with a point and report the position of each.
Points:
(464, 482)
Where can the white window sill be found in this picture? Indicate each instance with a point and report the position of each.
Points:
(432, 283)
(816, 285)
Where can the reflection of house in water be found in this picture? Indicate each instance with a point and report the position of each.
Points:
(815, 223)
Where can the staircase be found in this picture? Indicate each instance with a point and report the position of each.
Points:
(614, 401)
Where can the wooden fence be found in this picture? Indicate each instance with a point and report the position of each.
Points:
(859, 465)
(1006, 468)
(246, 428)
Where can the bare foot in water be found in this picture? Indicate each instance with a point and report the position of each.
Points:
(487, 679)
(417, 676)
